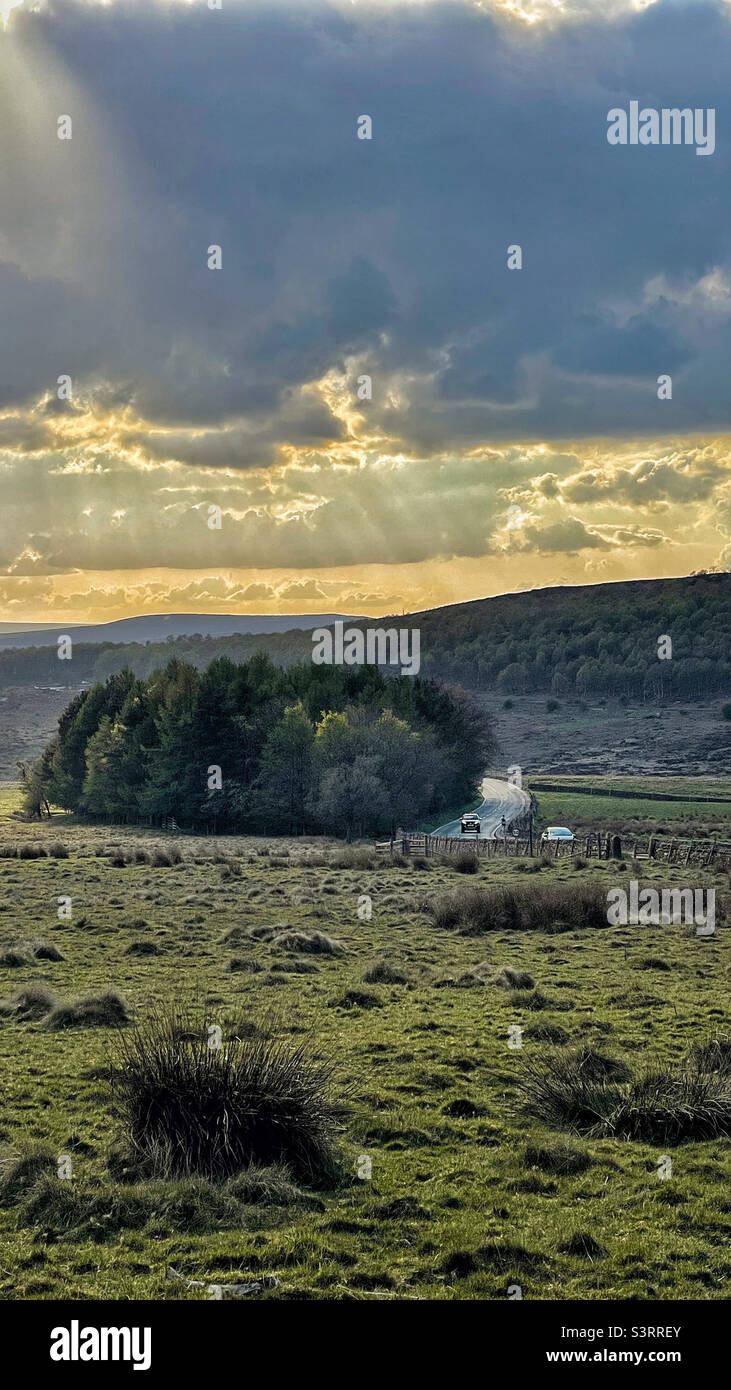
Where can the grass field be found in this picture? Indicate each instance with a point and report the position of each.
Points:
(449, 1189)
(687, 788)
(633, 815)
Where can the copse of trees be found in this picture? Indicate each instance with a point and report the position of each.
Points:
(310, 748)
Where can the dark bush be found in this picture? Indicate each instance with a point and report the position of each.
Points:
(187, 1108)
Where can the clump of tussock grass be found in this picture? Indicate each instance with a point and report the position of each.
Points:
(186, 1108)
(108, 1010)
(314, 943)
(355, 857)
(540, 906)
(42, 951)
(243, 1029)
(381, 972)
(357, 999)
(463, 1109)
(653, 963)
(144, 948)
(577, 1090)
(161, 858)
(464, 863)
(19, 1172)
(559, 1157)
(589, 1093)
(118, 860)
(508, 978)
(714, 1054)
(131, 924)
(30, 850)
(671, 1107)
(420, 861)
(295, 967)
(188, 1205)
(548, 1033)
(33, 1002)
(17, 956)
(499, 1256)
(57, 850)
(471, 979)
(243, 965)
(533, 999)
(234, 936)
(583, 1245)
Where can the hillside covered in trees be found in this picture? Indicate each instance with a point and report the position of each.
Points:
(590, 641)
(595, 640)
(255, 748)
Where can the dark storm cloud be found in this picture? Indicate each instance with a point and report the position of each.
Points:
(197, 127)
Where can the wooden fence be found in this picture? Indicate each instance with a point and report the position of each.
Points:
(595, 845)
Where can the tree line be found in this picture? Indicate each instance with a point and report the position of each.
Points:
(651, 640)
(251, 747)
(589, 641)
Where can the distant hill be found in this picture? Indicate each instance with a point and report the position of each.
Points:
(158, 627)
(588, 641)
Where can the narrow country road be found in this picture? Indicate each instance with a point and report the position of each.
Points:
(500, 799)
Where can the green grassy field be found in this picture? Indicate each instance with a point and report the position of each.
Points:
(687, 788)
(632, 815)
(450, 1190)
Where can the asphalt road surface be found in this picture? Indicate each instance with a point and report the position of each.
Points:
(500, 799)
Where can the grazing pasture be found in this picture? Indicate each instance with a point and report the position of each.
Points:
(428, 1098)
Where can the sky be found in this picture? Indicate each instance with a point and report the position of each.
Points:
(515, 435)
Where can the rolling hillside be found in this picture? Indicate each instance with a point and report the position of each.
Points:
(590, 641)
